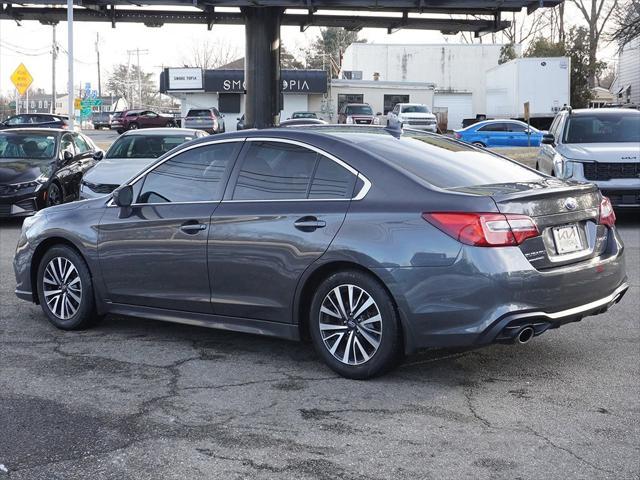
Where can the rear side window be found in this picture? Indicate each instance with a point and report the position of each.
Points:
(196, 175)
(275, 171)
(445, 163)
(331, 181)
(516, 127)
(493, 127)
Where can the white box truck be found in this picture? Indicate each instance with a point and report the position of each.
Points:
(543, 82)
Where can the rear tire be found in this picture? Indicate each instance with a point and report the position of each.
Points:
(133, 126)
(65, 289)
(479, 144)
(354, 325)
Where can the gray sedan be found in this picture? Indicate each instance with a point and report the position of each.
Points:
(370, 243)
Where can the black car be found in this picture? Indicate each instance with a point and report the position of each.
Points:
(40, 167)
(37, 120)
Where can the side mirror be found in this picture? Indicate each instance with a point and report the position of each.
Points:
(98, 155)
(123, 196)
(67, 156)
(548, 139)
(378, 114)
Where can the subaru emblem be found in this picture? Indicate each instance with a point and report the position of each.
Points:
(571, 203)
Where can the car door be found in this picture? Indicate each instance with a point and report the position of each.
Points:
(516, 135)
(155, 255)
(493, 134)
(547, 152)
(67, 168)
(82, 162)
(284, 204)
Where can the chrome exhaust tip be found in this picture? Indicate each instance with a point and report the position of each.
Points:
(525, 335)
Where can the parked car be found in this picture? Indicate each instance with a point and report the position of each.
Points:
(357, 114)
(296, 122)
(130, 154)
(240, 124)
(135, 119)
(374, 244)
(37, 120)
(598, 145)
(101, 120)
(500, 133)
(412, 115)
(297, 115)
(41, 167)
(208, 119)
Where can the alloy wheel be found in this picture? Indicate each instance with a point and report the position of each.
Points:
(54, 195)
(62, 288)
(350, 324)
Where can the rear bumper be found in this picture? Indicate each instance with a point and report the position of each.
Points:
(486, 290)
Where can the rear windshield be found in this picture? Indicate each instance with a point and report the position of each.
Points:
(27, 145)
(359, 110)
(303, 115)
(445, 163)
(415, 109)
(199, 113)
(603, 128)
(141, 146)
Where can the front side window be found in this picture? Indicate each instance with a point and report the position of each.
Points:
(81, 144)
(66, 145)
(196, 175)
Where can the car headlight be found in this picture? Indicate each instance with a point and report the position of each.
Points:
(567, 170)
(37, 184)
(349, 119)
(559, 165)
(376, 121)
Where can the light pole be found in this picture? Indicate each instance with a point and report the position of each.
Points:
(70, 100)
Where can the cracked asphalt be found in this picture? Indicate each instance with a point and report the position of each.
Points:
(137, 399)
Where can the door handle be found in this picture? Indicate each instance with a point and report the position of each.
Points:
(193, 227)
(309, 224)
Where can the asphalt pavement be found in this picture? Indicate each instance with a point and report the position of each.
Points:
(137, 399)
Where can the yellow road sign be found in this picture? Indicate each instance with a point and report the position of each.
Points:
(77, 104)
(21, 78)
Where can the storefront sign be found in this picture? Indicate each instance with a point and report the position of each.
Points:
(185, 79)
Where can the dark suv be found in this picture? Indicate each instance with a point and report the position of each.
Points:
(358, 114)
(134, 119)
(37, 120)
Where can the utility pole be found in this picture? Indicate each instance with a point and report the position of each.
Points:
(70, 103)
(137, 51)
(98, 55)
(54, 56)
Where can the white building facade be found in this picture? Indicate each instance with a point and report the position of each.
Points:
(458, 71)
(626, 86)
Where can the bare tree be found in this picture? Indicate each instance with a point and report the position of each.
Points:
(207, 55)
(626, 20)
(596, 15)
(525, 27)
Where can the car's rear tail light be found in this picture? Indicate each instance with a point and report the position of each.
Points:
(607, 215)
(457, 135)
(484, 229)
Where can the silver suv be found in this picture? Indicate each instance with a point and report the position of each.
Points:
(208, 119)
(601, 146)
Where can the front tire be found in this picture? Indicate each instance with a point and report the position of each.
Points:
(133, 126)
(65, 289)
(354, 325)
(478, 144)
(55, 196)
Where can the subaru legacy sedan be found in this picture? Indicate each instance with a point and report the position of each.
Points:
(368, 242)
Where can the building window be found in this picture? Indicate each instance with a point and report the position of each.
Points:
(390, 101)
(344, 98)
(229, 102)
(33, 104)
(352, 74)
(40, 104)
(46, 104)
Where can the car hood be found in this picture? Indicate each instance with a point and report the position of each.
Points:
(24, 170)
(117, 170)
(601, 152)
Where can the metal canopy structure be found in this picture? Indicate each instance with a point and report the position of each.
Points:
(264, 18)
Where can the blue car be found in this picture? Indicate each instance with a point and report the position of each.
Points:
(499, 133)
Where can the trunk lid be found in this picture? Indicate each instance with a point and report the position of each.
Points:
(566, 214)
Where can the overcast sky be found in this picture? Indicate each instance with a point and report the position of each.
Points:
(167, 46)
